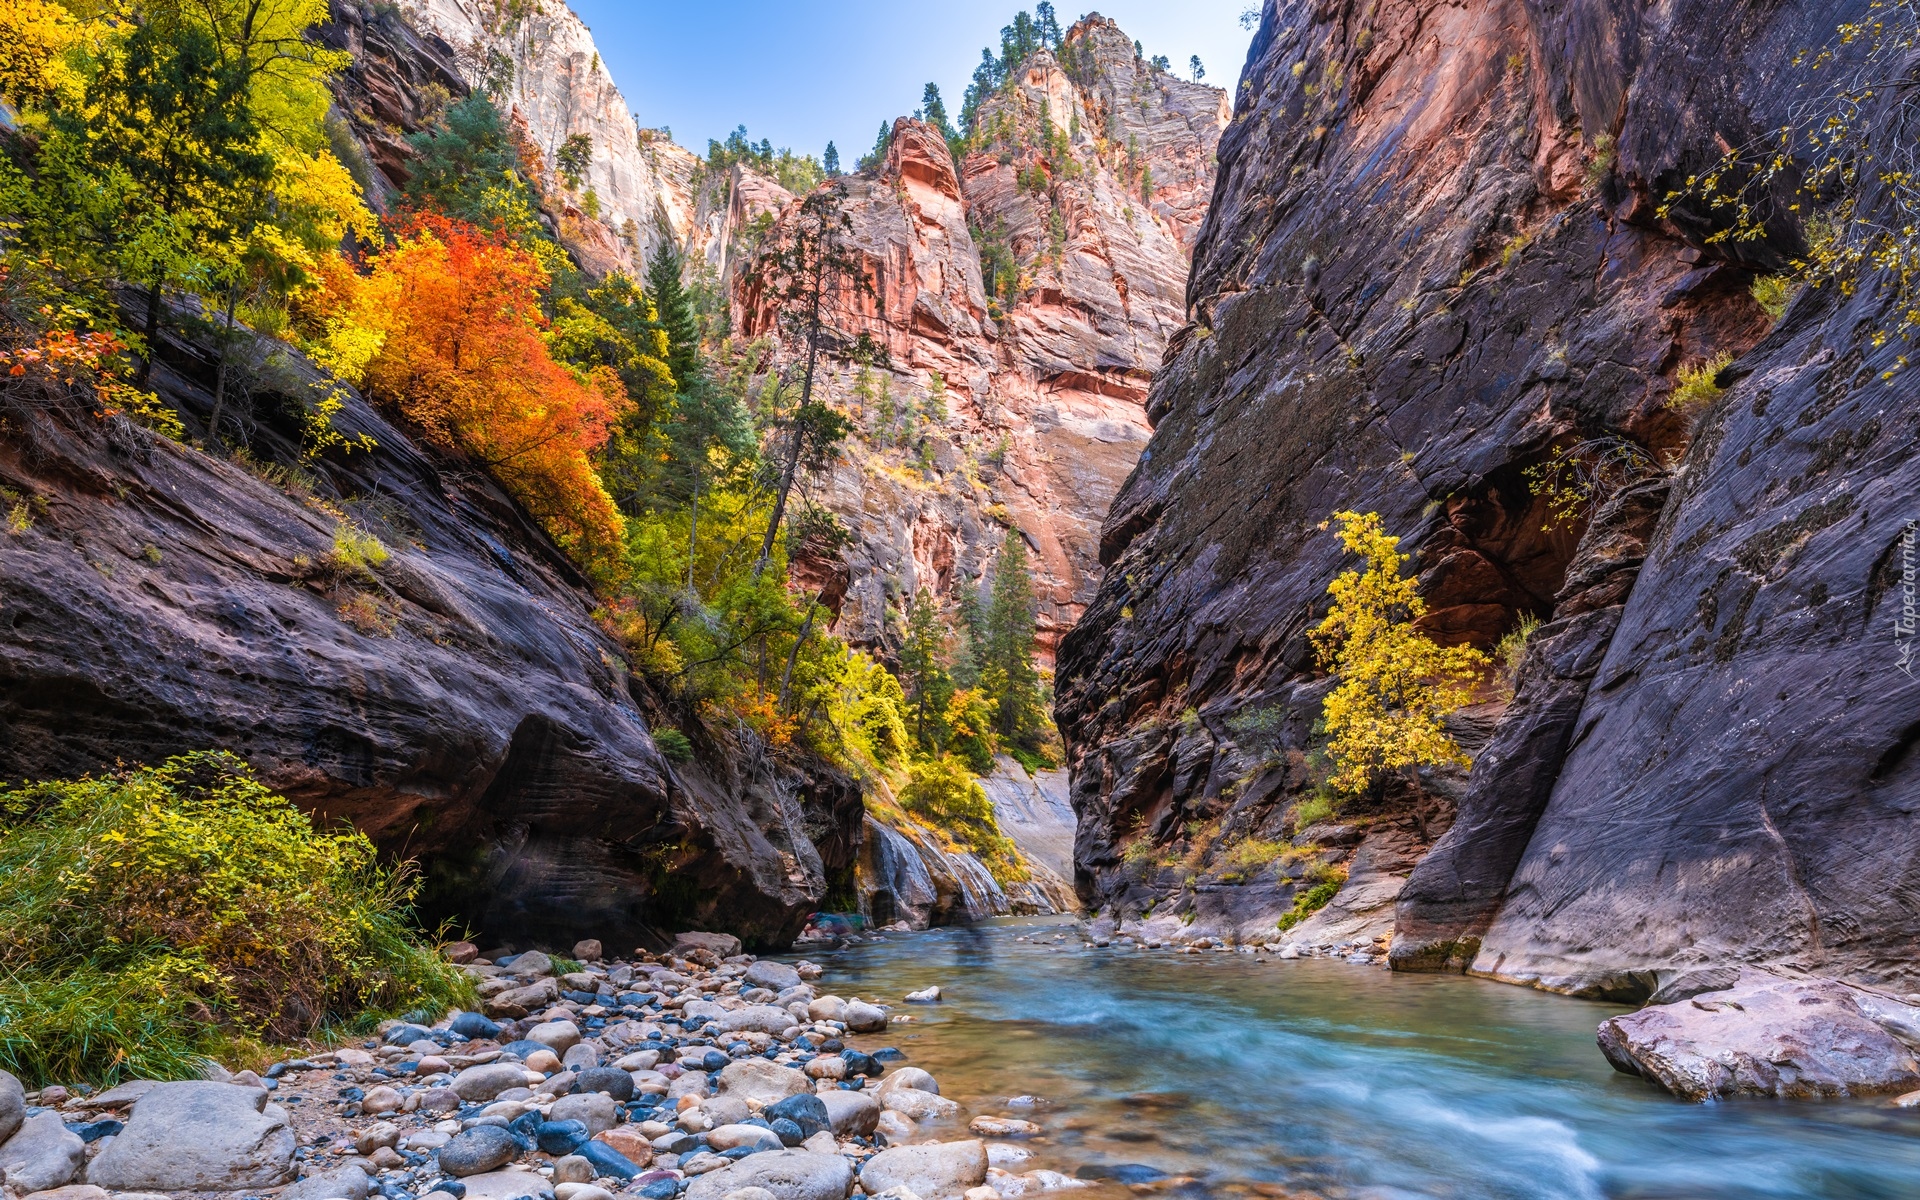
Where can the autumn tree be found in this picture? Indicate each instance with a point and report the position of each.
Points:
(1395, 686)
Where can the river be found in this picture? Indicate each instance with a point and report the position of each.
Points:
(1263, 1078)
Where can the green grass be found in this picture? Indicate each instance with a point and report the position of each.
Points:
(158, 917)
(1328, 880)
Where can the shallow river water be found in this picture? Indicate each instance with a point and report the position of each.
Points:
(1316, 1078)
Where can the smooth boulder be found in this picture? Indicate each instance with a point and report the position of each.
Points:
(851, 1114)
(596, 1110)
(342, 1183)
(862, 1017)
(488, 1080)
(759, 1080)
(41, 1155)
(725, 945)
(807, 1111)
(1770, 1036)
(13, 1106)
(734, 1137)
(198, 1137)
(937, 1171)
(756, 1018)
(774, 976)
(507, 1185)
(788, 1174)
(479, 1150)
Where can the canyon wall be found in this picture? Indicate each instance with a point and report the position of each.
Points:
(1434, 256)
(1026, 415)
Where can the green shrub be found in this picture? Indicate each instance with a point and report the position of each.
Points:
(355, 551)
(1699, 385)
(1327, 881)
(160, 915)
(942, 792)
(1318, 807)
(673, 745)
(1773, 293)
(1513, 647)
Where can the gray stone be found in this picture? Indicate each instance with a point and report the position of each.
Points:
(919, 1105)
(479, 1150)
(612, 1081)
(937, 1171)
(596, 1110)
(732, 1137)
(909, 1077)
(572, 1168)
(559, 1036)
(862, 1017)
(581, 1056)
(788, 1174)
(775, 976)
(13, 1105)
(531, 963)
(827, 1008)
(198, 1137)
(850, 1113)
(488, 1080)
(758, 1079)
(42, 1154)
(588, 950)
(725, 1110)
(1790, 1038)
(757, 1018)
(342, 1183)
(507, 1185)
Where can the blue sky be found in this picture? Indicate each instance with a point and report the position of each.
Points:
(803, 72)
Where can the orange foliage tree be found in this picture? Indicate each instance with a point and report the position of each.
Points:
(461, 355)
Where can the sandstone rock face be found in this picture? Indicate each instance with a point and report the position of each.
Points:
(1417, 277)
(1042, 362)
(1787, 1038)
(462, 703)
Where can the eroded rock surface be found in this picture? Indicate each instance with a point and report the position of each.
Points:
(1423, 270)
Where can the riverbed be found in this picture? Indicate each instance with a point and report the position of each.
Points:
(1313, 1077)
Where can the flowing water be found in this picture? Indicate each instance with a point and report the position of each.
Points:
(1315, 1078)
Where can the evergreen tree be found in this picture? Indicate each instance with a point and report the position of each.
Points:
(831, 161)
(1008, 657)
(1047, 24)
(1199, 72)
(934, 111)
(455, 164)
(922, 662)
(881, 144)
(674, 305)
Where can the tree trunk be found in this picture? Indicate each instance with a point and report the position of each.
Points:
(792, 466)
(793, 655)
(152, 332)
(220, 376)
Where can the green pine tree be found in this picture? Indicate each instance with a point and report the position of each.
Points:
(674, 306)
(923, 664)
(1008, 668)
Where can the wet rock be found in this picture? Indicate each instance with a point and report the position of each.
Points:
(1789, 1038)
(479, 1150)
(910, 1077)
(987, 1126)
(851, 1114)
(41, 1155)
(807, 1111)
(929, 995)
(862, 1017)
(938, 1171)
(787, 1174)
(827, 1008)
(198, 1137)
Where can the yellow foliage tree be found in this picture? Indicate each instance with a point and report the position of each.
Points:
(1395, 683)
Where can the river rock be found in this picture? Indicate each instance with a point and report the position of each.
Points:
(41, 1155)
(1002, 1127)
(198, 1136)
(610, 1080)
(756, 1079)
(937, 1171)
(543, 1060)
(581, 1056)
(788, 1174)
(757, 1018)
(558, 1036)
(479, 1150)
(596, 1110)
(851, 1114)
(507, 1185)
(918, 1105)
(775, 976)
(930, 995)
(827, 1008)
(807, 1111)
(571, 1168)
(724, 945)
(580, 1191)
(1766, 1035)
(588, 950)
(910, 1077)
(732, 1137)
(488, 1080)
(472, 1025)
(13, 1106)
(342, 1183)
(629, 1142)
(531, 963)
(862, 1017)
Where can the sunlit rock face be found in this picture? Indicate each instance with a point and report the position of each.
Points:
(1043, 377)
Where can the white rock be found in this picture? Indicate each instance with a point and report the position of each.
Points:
(756, 1079)
(936, 1171)
(198, 1137)
(930, 995)
(558, 1036)
(732, 1137)
(909, 1077)
(827, 1008)
(862, 1017)
(788, 1174)
(506, 1185)
(343, 1183)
